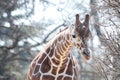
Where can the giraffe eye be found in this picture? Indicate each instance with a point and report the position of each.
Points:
(73, 36)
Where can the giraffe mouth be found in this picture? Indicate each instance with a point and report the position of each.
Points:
(86, 53)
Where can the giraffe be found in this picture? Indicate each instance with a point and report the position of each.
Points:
(55, 61)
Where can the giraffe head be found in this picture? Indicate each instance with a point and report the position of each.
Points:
(81, 34)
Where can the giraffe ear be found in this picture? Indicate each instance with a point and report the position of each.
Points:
(77, 21)
(86, 22)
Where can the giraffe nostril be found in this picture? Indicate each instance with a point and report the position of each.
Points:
(86, 52)
(73, 36)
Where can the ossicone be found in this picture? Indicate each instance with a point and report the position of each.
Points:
(86, 22)
(77, 21)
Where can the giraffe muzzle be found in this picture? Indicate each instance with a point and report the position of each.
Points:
(86, 53)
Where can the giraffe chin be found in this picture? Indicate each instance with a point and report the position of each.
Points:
(87, 57)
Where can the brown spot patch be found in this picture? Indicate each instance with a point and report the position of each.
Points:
(54, 70)
(67, 78)
(62, 69)
(46, 65)
(41, 58)
(59, 77)
(48, 49)
(69, 71)
(48, 77)
(51, 52)
(36, 69)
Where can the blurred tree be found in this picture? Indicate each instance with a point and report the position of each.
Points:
(109, 21)
(94, 16)
(11, 33)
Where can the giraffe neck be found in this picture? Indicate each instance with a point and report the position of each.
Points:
(59, 49)
(55, 62)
